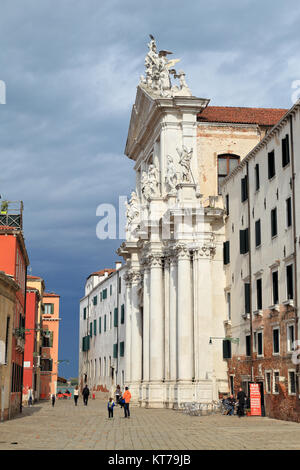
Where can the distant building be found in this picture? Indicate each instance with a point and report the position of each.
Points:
(36, 282)
(31, 351)
(49, 344)
(262, 269)
(8, 290)
(102, 330)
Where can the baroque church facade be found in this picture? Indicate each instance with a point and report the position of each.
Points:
(176, 304)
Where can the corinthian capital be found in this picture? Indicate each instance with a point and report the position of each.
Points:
(182, 251)
(156, 260)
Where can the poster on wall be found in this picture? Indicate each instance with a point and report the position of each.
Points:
(255, 399)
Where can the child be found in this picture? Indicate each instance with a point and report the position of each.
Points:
(110, 407)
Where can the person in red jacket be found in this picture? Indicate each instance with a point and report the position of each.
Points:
(126, 397)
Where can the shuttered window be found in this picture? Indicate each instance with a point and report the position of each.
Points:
(257, 182)
(244, 189)
(99, 324)
(84, 313)
(116, 317)
(226, 252)
(122, 313)
(274, 222)
(288, 212)
(244, 241)
(115, 350)
(289, 281)
(247, 297)
(226, 349)
(271, 164)
(95, 300)
(122, 349)
(285, 151)
(95, 327)
(259, 294)
(275, 287)
(248, 345)
(257, 233)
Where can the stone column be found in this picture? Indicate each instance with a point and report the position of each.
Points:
(167, 318)
(136, 330)
(156, 319)
(185, 327)
(173, 319)
(146, 323)
(127, 279)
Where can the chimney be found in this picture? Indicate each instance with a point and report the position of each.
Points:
(118, 265)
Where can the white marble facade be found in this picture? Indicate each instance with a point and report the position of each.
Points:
(173, 250)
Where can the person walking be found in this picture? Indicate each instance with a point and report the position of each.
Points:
(241, 397)
(85, 394)
(30, 396)
(53, 398)
(126, 397)
(110, 407)
(76, 395)
(118, 394)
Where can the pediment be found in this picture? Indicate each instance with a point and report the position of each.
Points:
(141, 110)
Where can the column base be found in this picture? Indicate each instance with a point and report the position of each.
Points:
(155, 395)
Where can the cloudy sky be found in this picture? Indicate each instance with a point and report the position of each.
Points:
(71, 68)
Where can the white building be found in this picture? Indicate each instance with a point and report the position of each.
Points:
(102, 330)
(261, 261)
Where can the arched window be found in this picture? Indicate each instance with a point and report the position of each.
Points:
(226, 163)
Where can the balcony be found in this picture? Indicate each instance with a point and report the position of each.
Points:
(11, 214)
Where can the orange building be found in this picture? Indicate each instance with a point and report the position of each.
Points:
(13, 262)
(49, 345)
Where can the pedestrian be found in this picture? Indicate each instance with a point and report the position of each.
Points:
(230, 404)
(241, 397)
(118, 394)
(76, 395)
(126, 397)
(30, 396)
(53, 398)
(85, 394)
(110, 407)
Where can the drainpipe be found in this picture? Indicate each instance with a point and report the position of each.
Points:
(250, 271)
(295, 246)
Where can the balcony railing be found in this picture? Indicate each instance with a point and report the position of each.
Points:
(11, 214)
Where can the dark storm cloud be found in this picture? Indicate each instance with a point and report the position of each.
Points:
(71, 69)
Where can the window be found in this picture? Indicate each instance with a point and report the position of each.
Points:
(274, 222)
(271, 164)
(122, 349)
(228, 300)
(292, 382)
(226, 163)
(104, 322)
(46, 365)
(49, 309)
(226, 252)
(85, 343)
(285, 151)
(122, 313)
(244, 189)
(91, 329)
(275, 287)
(247, 297)
(226, 349)
(47, 340)
(84, 313)
(110, 320)
(268, 382)
(289, 282)
(244, 241)
(276, 340)
(104, 294)
(288, 203)
(290, 336)
(257, 183)
(275, 381)
(95, 327)
(115, 350)
(259, 294)
(260, 343)
(257, 233)
(248, 345)
(110, 290)
(99, 324)
(115, 317)
(227, 204)
(95, 300)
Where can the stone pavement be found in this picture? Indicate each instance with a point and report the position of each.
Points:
(66, 427)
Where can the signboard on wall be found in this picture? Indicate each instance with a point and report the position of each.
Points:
(255, 399)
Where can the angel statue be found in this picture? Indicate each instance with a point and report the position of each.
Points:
(133, 210)
(171, 177)
(153, 179)
(185, 157)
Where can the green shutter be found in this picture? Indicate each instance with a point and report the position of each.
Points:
(85, 343)
(115, 351)
(110, 289)
(122, 313)
(52, 308)
(95, 300)
(122, 349)
(91, 329)
(226, 349)
(116, 317)
(104, 322)
(84, 313)
(99, 324)
(104, 296)
(95, 327)
(51, 339)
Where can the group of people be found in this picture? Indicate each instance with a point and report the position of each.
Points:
(230, 402)
(122, 400)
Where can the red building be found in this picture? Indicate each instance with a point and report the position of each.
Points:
(14, 261)
(31, 352)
